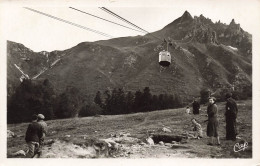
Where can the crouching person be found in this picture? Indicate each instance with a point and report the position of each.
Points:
(33, 135)
(196, 133)
(188, 110)
(197, 128)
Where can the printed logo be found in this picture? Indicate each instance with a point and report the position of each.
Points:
(240, 147)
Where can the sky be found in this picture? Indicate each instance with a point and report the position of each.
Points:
(41, 33)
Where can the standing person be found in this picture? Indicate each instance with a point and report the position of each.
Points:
(212, 127)
(196, 107)
(33, 135)
(231, 115)
(45, 129)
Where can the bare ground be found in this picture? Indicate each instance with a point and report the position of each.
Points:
(130, 132)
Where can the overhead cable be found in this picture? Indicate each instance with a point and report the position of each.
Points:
(121, 18)
(68, 22)
(105, 19)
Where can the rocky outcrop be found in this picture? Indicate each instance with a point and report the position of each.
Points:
(202, 20)
(233, 28)
(203, 33)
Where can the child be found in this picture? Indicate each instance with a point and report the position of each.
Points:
(197, 128)
(188, 110)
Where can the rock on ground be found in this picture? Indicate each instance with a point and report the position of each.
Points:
(10, 134)
(19, 153)
(150, 141)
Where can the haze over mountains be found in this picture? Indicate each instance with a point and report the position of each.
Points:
(204, 55)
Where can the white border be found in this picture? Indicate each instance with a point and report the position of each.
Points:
(116, 162)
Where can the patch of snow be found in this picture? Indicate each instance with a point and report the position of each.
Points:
(53, 63)
(37, 75)
(25, 59)
(23, 74)
(233, 48)
(22, 78)
(47, 56)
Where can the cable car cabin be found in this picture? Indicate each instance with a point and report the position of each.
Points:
(164, 58)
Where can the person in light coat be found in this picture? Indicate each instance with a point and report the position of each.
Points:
(213, 123)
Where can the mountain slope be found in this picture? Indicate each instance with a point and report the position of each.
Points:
(204, 55)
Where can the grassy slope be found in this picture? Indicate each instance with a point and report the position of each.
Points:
(138, 125)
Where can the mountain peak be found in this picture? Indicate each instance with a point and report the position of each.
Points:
(234, 25)
(186, 13)
(186, 16)
(201, 16)
(232, 22)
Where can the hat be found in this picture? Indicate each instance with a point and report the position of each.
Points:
(41, 116)
(228, 95)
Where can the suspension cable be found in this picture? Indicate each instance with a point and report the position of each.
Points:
(121, 18)
(116, 15)
(105, 19)
(68, 22)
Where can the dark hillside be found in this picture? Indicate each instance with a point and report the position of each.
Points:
(204, 55)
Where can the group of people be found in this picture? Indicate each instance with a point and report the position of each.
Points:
(37, 130)
(35, 135)
(195, 106)
(230, 118)
(213, 122)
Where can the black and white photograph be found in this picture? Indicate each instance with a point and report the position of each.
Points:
(115, 80)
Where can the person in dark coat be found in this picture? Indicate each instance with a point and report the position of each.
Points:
(33, 135)
(196, 107)
(231, 115)
(45, 129)
(212, 127)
